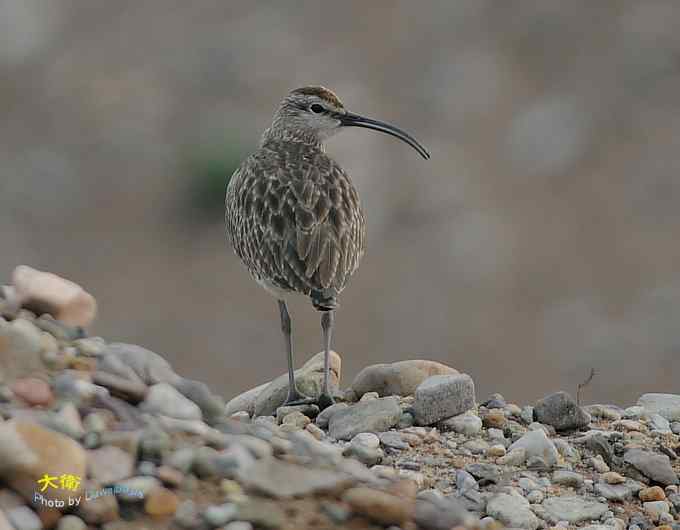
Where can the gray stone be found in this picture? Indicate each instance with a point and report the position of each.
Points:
(309, 380)
(23, 518)
(239, 525)
(377, 415)
(393, 440)
(71, 522)
(667, 405)
(537, 444)
(399, 378)
(658, 423)
(438, 513)
(512, 511)
(655, 509)
(280, 479)
(561, 411)
(567, 478)
(109, 464)
(166, 400)
(618, 492)
(136, 489)
(468, 424)
(20, 348)
(211, 405)
(443, 396)
(653, 466)
(325, 415)
(220, 514)
(149, 367)
(574, 510)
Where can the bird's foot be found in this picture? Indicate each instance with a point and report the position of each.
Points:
(325, 400)
(295, 397)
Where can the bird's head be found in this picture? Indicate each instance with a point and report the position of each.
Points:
(314, 112)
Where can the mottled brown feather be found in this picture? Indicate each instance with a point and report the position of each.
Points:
(295, 220)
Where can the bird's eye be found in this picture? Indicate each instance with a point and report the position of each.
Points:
(316, 108)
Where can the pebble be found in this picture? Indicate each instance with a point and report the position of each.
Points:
(296, 420)
(399, 378)
(567, 478)
(109, 464)
(220, 514)
(574, 509)
(655, 508)
(34, 391)
(619, 492)
(612, 477)
(164, 399)
(514, 457)
(476, 447)
(468, 424)
(561, 411)
(238, 525)
(535, 496)
(654, 466)
(280, 479)
(212, 406)
(667, 405)
(130, 390)
(379, 506)
(369, 396)
(147, 366)
(103, 509)
(23, 518)
(310, 410)
(71, 522)
(658, 423)
(315, 431)
(160, 502)
(442, 396)
(537, 444)
(187, 515)
(598, 464)
(494, 419)
(655, 493)
(20, 347)
(64, 300)
(365, 447)
(393, 440)
(512, 511)
(495, 451)
(325, 415)
(27, 450)
(369, 416)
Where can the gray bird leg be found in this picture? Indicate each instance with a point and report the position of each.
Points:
(294, 395)
(327, 320)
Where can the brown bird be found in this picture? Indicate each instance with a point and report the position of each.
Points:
(294, 216)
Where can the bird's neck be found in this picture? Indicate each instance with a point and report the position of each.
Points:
(280, 132)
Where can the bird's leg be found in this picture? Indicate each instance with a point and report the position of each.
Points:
(294, 395)
(325, 398)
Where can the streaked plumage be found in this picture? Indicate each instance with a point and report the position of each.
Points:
(296, 221)
(294, 216)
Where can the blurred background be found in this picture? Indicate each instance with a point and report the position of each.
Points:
(541, 241)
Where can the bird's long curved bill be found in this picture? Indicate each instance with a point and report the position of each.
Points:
(355, 120)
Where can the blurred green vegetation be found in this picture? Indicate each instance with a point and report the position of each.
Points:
(209, 169)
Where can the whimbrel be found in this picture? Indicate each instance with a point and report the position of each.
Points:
(294, 216)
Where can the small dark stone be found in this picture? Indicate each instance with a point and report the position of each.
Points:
(561, 411)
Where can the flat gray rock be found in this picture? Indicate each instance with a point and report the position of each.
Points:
(653, 466)
(376, 415)
(618, 492)
(667, 405)
(443, 396)
(280, 479)
(574, 509)
(512, 511)
(561, 411)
